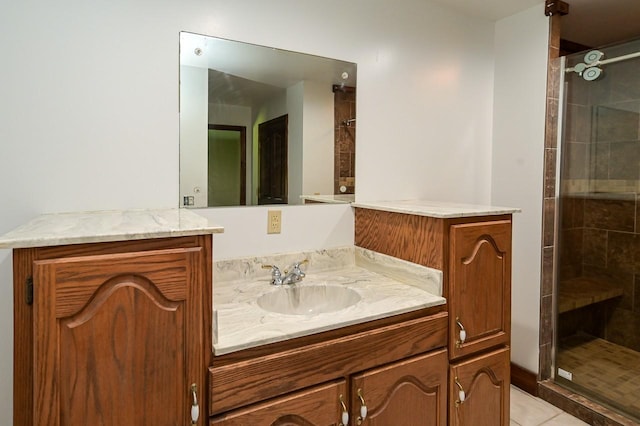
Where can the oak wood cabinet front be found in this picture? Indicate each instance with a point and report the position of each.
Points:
(479, 286)
(479, 390)
(118, 338)
(320, 405)
(474, 254)
(412, 392)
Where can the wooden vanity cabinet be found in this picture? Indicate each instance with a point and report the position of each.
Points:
(113, 333)
(408, 392)
(474, 254)
(399, 366)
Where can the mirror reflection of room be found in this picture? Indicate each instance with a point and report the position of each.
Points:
(262, 126)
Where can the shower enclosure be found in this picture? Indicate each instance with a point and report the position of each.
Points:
(597, 265)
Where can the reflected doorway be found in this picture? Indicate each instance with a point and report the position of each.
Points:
(273, 142)
(226, 166)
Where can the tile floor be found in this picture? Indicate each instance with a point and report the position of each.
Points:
(527, 410)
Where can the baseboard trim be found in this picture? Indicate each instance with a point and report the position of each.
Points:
(524, 379)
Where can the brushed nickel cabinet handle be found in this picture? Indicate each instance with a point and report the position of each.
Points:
(363, 408)
(462, 334)
(345, 413)
(195, 408)
(461, 394)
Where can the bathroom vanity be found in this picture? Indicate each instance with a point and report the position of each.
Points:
(438, 365)
(334, 365)
(472, 246)
(111, 318)
(115, 324)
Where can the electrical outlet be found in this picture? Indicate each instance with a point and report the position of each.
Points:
(274, 221)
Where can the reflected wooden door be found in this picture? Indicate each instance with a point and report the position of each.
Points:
(273, 144)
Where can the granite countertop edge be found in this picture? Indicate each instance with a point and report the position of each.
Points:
(56, 229)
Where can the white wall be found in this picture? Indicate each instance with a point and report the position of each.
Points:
(89, 106)
(194, 135)
(304, 228)
(424, 107)
(318, 140)
(233, 115)
(517, 173)
(295, 137)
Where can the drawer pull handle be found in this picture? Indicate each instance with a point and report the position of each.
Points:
(345, 413)
(461, 394)
(363, 408)
(195, 408)
(463, 334)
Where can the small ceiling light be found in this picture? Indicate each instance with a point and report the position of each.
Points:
(198, 51)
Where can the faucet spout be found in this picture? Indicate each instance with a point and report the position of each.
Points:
(296, 274)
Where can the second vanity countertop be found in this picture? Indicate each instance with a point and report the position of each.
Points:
(437, 209)
(387, 286)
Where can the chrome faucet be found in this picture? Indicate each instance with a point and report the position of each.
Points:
(276, 275)
(296, 274)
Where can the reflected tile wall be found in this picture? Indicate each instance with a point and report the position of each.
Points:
(345, 140)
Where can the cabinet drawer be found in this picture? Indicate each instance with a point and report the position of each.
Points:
(319, 405)
(480, 286)
(245, 382)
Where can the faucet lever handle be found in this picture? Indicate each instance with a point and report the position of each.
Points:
(297, 265)
(274, 268)
(276, 275)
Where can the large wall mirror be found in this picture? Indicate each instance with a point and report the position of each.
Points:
(260, 125)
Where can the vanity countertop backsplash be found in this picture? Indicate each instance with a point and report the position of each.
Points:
(385, 285)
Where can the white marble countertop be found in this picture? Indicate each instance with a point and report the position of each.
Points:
(330, 199)
(387, 286)
(102, 226)
(438, 209)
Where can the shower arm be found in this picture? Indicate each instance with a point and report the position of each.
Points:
(606, 61)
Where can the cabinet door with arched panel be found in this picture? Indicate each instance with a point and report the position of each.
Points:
(479, 286)
(479, 390)
(412, 392)
(118, 338)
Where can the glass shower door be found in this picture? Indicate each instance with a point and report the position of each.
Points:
(598, 260)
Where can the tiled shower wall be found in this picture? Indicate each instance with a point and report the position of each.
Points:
(345, 140)
(549, 201)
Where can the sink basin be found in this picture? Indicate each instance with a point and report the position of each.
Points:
(308, 300)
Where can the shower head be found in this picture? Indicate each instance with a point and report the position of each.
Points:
(592, 57)
(591, 73)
